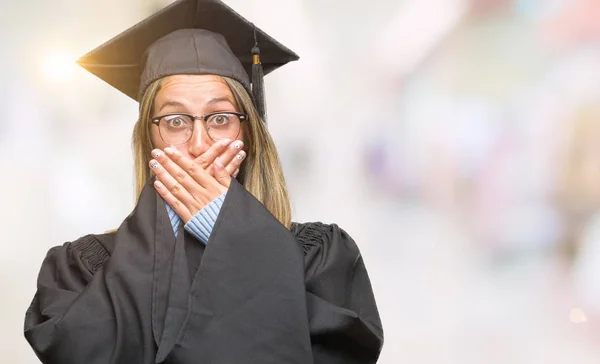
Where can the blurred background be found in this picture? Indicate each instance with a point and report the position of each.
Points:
(458, 142)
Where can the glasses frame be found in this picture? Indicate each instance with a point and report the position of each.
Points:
(156, 121)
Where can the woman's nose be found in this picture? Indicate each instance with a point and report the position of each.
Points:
(200, 141)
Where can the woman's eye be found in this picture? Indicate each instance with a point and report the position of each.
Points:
(175, 122)
(219, 119)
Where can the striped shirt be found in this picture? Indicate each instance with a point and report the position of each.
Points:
(201, 225)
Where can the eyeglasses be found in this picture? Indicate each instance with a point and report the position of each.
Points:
(177, 129)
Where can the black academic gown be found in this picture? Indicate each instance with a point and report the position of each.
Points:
(257, 293)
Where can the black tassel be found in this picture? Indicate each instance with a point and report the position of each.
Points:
(258, 83)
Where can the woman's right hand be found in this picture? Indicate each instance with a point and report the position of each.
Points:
(229, 154)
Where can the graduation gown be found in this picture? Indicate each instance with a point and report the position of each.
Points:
(256, 293)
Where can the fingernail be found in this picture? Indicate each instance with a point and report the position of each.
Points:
(169, 150)
(235, 174)
(219, 163)
(238, 145)
(158, 184)
(240, 155)
(226, 142)
(153, 164)
(156, 153)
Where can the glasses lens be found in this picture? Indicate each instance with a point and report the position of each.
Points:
(176, 129)
(223, 126)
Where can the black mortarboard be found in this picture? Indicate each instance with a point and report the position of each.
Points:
(188, 37)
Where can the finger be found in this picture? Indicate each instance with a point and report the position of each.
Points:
(177, 206)
(229, 157)
(221, 174)
(235, 163)
(185, 171)
(215, 150)
(188, 167)
(235, 174)
(176, 188)
(231, 153)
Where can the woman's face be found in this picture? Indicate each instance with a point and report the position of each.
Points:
(195, 95)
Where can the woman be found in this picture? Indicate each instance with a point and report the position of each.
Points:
(207, 268)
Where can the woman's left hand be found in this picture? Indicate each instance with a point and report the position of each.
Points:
(184, 184)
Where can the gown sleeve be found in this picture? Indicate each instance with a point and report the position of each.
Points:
(343, 318)
(79, 312)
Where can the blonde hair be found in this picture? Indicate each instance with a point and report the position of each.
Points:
(261, 173)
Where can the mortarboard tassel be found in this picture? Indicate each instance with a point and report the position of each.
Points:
(258, 84)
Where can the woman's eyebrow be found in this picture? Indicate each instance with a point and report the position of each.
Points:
(171, 103)
(211, 102)
(218, 100)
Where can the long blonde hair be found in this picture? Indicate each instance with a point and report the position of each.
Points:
(261, 173)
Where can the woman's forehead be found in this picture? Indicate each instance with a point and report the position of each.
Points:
(193, 89)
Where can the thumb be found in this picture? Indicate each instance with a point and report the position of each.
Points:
(220, 172)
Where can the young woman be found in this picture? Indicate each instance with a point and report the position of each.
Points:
(208, 268)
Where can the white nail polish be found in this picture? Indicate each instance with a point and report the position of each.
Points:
(157, 154)
(154, 165)
(237, 146)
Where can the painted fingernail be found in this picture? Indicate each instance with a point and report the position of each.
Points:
(153, 165)
(169, 150)
(156, 153)
(158, 184)
(235, 174)
(238, 145)
(240, 155)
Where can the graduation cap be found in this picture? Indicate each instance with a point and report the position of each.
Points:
(189, 37)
